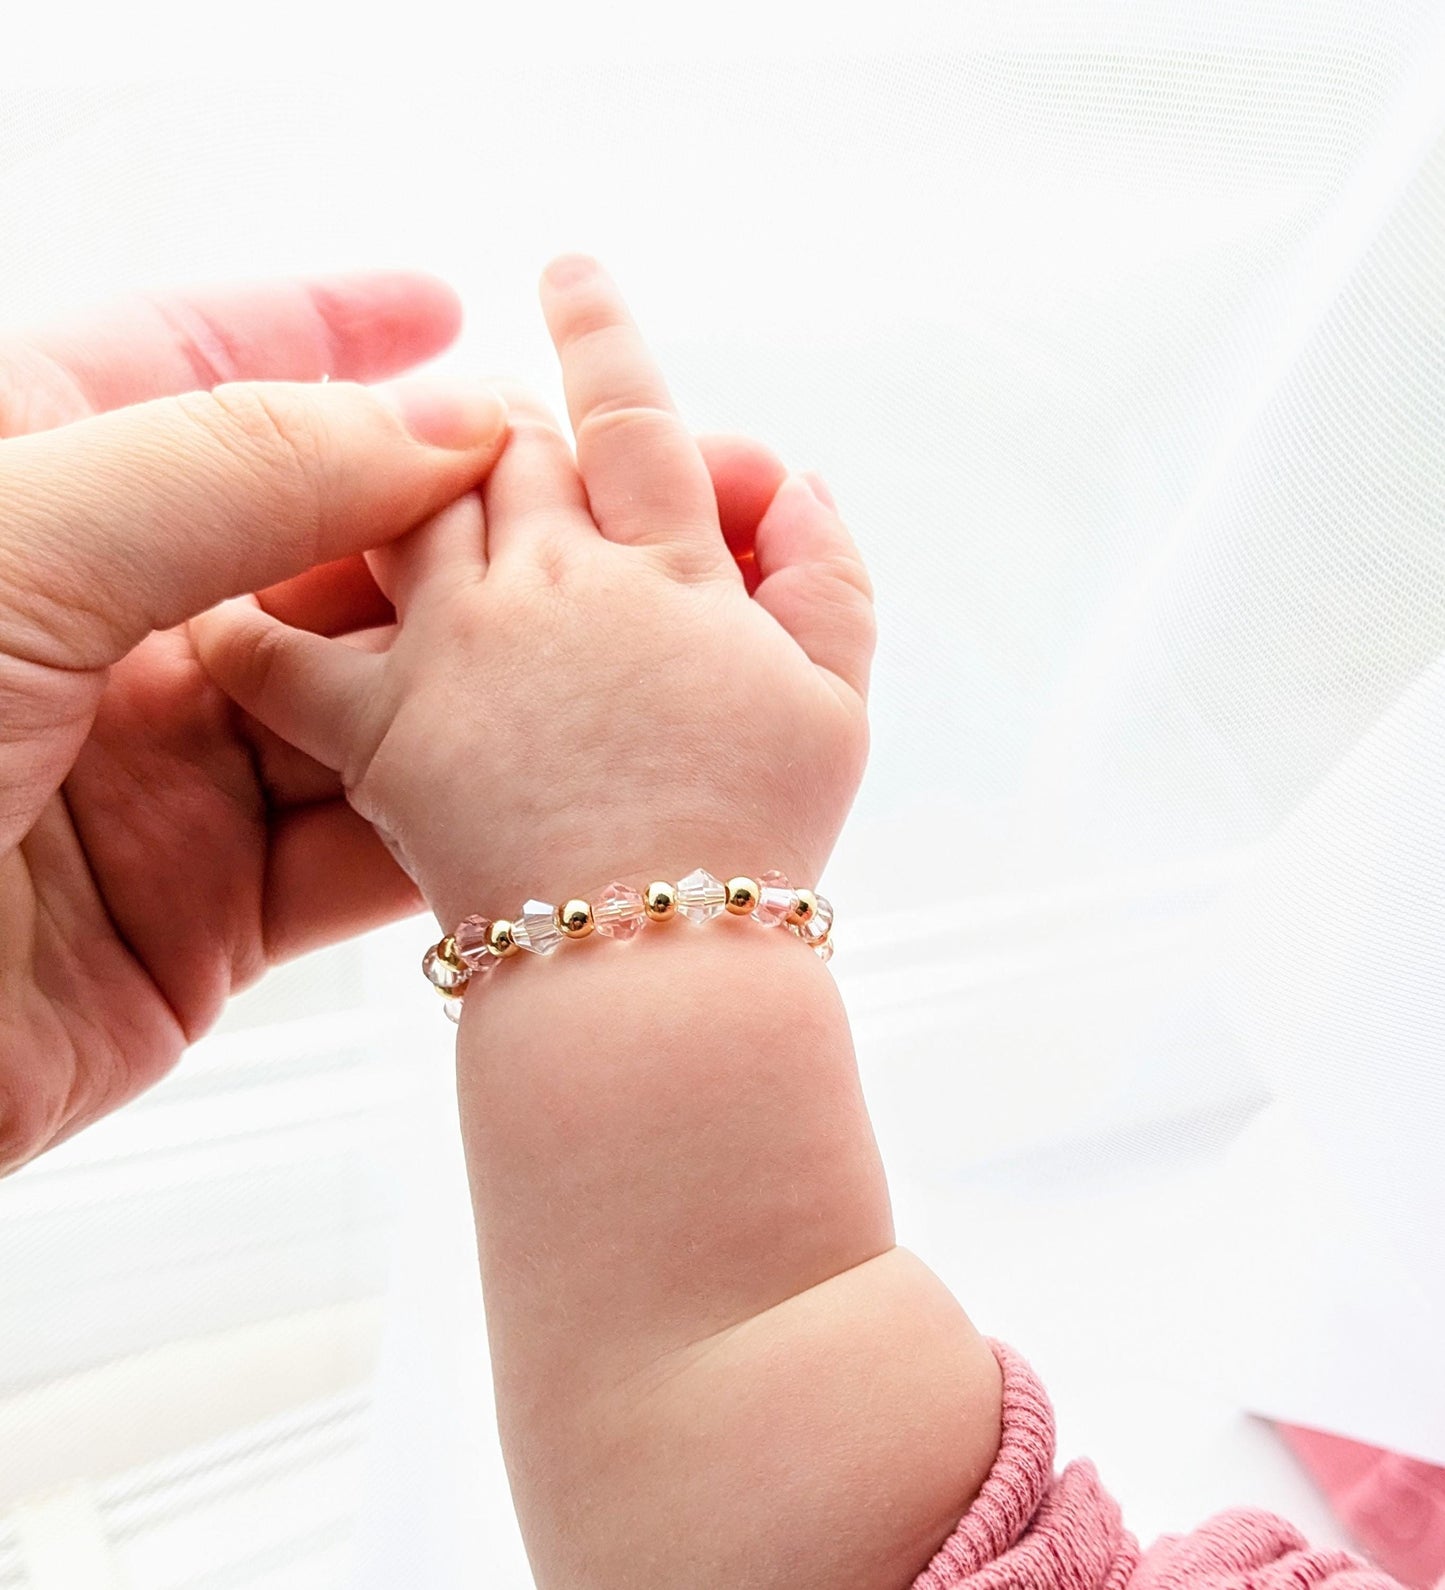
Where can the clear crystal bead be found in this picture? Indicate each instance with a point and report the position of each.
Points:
(619, 911)
(440, 973)
(535, 928)
(471, 939)
(453, 1009)
(700, 895)
(824, 951)
(775, 899)
(818, 926)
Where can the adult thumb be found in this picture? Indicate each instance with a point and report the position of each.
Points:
(138, 519)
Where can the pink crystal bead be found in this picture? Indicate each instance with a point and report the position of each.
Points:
(440, 973)
(818, 926)
(619, 911)
(535, 928)
(775, 899)
(471, 940)
(486, 967)
(700, 896)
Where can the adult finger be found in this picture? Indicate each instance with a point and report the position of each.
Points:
(331, 599)
(136, 520)
(328, 877)
(356, 327)
(644, 475)
(288, 776)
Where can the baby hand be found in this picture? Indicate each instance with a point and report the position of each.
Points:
(579, 684)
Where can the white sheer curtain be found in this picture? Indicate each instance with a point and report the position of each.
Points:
(1119, 332)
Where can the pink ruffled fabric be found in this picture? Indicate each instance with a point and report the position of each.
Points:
(1030, 1530)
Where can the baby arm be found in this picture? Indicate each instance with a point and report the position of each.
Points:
(712, 1364)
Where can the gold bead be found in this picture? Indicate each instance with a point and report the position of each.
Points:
(660, 901)
(805, 905)
(575, 919)
(452, 993)
(742, 896)
(499, 938)
(447, 951)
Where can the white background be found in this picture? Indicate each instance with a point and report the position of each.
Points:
(1119, 333)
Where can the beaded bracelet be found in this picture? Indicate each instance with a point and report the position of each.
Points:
(478, 946)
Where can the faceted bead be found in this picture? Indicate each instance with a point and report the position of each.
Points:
(471, 937)
(536, 928)
(441, 973)
(816, 928)
(774, 901)
(700, 895)
(486, 967)
(453, 1009)
(824, 951)
(618, 911)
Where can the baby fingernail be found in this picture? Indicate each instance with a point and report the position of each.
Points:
(451, 414)
(820, 490)
(567, 270)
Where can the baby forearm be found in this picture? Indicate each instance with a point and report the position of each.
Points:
(705, 1346)
(664, 1138)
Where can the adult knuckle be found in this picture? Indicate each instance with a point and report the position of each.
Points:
(258, 430)
(31, 1113)
(278, 450)
(198, 337)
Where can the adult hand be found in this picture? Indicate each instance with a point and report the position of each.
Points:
(158, 851)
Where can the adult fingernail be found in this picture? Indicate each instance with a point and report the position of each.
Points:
(820, 490)
(451, 414)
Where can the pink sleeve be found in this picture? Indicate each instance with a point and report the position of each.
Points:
(1028, 1530)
